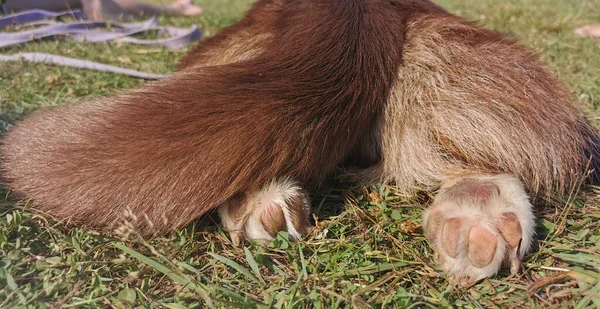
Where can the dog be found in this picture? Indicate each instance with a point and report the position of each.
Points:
(271, 108)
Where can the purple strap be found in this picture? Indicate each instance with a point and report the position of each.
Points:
(88, 31)
(77, 63)
(36, 15)
(96, 31)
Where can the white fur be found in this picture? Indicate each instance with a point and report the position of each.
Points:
(277, 193)
(512, 198)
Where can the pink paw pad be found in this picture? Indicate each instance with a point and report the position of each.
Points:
(477, 225)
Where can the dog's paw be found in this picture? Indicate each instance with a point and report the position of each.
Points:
(477, 224)
(279, 206)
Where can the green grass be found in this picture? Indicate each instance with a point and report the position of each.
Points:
(366, 248)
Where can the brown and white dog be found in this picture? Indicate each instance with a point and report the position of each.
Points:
(275, 104)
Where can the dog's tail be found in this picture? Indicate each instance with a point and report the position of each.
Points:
(161, 156)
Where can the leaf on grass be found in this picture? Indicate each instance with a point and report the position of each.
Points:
(396, 215)
(549, 226)
(237, 267)
(580, 258)
(253, 264)
(127, 295)
(10, 281)
(177, 277)
(54, 260)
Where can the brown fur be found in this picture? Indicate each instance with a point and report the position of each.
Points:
(467, 101)
(172, 150)
(472, 101)
(300, 88)
(241, 41)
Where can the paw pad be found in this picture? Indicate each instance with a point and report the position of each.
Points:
(479, 224)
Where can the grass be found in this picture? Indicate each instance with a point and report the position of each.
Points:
(366, 249)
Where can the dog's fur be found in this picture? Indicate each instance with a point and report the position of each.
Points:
(172, 150)
(465, 100)
(300, 88)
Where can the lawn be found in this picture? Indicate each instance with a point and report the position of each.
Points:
(366, 248)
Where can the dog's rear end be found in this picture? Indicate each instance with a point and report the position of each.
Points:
(164, 154)
(477, 115)
(296, 89)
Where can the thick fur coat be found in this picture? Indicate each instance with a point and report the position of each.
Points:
(301, 89)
